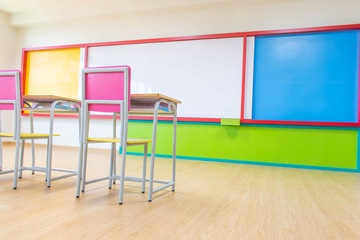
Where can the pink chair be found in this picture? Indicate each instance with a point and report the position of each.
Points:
(107, 89)
(11, 99)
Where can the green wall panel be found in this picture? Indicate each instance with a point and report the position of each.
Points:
(298, 146)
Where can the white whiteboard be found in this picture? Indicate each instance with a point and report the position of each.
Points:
(204, 74)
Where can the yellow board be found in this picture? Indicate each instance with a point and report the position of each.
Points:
(53, 72)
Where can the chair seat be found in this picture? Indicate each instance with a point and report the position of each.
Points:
(28, 135)
(117, 140)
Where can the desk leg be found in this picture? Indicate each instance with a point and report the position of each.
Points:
(80, 160)
(144, 169)
(174, 147)
(49, 147)
(153, 147)
(79, 171)
(85, 134)
(123, 143)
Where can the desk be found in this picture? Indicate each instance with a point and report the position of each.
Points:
(53, 104)
(156, 104)
(141, 105)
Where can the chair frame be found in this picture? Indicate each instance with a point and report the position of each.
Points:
(17, 128)
(17, 107)
(19, 151)
(124, 108)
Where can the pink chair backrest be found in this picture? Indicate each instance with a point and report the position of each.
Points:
(8, 89)
(106, 86)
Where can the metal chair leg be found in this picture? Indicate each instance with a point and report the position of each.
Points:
(79, 171)
(21, 158)
(48, 164)
(16, 167)
(144, 169)
(33, 155)
(84, 164)
(111, 168)
(114, 166)
(122, 175)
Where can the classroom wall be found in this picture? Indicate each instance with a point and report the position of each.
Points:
(228, 16)
(7, 59)
(224, 17)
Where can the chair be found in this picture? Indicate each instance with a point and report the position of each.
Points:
(11, 99)
(107, 89)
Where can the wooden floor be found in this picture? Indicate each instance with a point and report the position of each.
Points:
(211, 201)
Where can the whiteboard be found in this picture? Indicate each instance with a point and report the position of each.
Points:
(205, 75)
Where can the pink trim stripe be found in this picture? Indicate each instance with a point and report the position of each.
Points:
(202, 37)
(334, 124)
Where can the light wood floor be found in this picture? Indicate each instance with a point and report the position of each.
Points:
(211, 201)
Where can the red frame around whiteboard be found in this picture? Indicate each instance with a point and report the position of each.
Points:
(214, 36)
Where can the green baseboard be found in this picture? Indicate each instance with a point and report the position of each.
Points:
(308, 147)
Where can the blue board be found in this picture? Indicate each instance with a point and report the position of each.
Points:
(307, 77)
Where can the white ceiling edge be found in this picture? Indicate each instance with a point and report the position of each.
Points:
(111, 8)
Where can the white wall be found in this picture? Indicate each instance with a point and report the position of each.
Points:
(217, 18)
(227, 17)
(7, 60)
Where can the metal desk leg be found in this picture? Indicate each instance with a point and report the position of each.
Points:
(81, 148)
(50, 143)
(153, 147)
(144, 169)
(123, 143)
(85, 134)
(174, 147)
(78, 179)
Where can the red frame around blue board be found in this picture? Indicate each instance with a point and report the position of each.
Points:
(310, 77)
